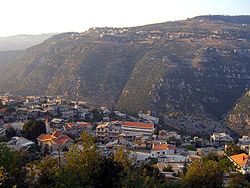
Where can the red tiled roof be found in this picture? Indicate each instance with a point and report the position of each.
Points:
(138, 125)
(41, 136)
(7, 126)
(3, 110)
(157, 147)
(62, 140)
(240, 159)
(57, 134)
(70, 125)
(57, 137)
(44, 137)
(83, 124)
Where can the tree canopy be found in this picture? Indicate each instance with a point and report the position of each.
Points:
(32, 129)
(204, 174)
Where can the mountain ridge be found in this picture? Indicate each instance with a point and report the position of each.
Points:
(189, 66)
(22, 41)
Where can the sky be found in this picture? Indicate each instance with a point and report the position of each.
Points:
(49, 16)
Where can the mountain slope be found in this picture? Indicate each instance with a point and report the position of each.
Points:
(6, 60)
(195, 66)
(243, 19)
(21, 42)
(239, 118)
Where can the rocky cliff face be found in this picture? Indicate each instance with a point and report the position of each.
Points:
(238, 118)
(198, 66)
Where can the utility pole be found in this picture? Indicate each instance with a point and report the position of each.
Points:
(59, 156)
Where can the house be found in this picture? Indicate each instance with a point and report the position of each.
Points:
(19, 143)
(105, 110)
(70, 114)
(82, 113)
(21, 116)
(162, 149)
(207, 150)
(244, 143)
(141, 142)
(164, 135)
(119, 114)
(56, 124)
(138, 128)
(108, 132)
(2, 132)
(242, 161)
(221, 138)
(148, 118)
(175, 158)
(126, 138)
(78, 127)
(54, 141)
(18, 126)
(140, 158)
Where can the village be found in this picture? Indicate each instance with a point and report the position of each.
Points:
(139, 134)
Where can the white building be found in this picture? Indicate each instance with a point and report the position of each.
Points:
(138, 128)
(108, 132)
(174, 159)
(148, 118)
(162, 149)
(244, 143)
(221, 138)
(19, 143)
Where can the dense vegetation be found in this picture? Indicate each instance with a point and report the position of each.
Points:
(84, 166)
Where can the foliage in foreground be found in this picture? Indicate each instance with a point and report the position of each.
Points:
(84, 166)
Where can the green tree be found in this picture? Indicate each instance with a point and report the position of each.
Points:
(211, 156)
(97, 116)
(121, 156)
(190, 147)
(237, 181)
(203, 174)
(32, 129)
(10, 132)
(83, 164)
(3, 139)
(11, 164)
(227, 165)
(43, 173)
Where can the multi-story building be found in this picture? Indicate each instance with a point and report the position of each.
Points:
(108, 132)
(138, 128)
(221, 138)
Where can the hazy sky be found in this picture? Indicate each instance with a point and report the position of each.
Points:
(44, 16)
